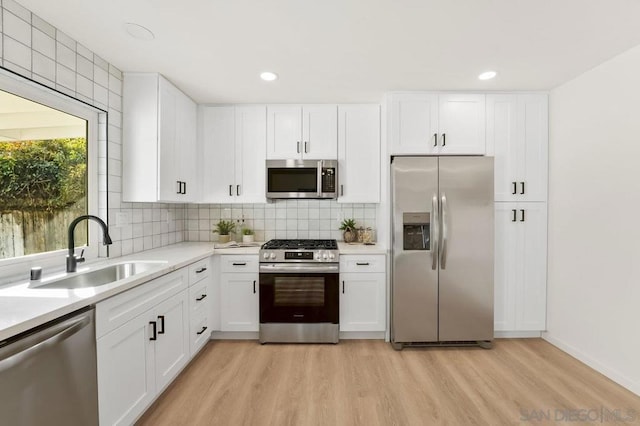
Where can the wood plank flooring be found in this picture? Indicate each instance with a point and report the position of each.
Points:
(360, 382)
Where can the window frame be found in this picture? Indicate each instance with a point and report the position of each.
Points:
(96, 185)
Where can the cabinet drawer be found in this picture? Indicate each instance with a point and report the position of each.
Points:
(362, 263)
(199, 331)
(199, 297)
(114, 312)
(199, 271)
(246, 263)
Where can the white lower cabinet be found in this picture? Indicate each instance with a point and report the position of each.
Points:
(520, 266)
(145, 337)
(362, 293)
(239, 293)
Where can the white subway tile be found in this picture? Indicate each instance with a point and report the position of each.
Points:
(84, 67)
(16, 28)
(84, 86)
(65, 56)
(43, 26)
(17, 9)
(44, 66)
(65, 77)
(18, 54)
(101, 95)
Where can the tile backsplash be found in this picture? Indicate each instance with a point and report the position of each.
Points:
(279, 219)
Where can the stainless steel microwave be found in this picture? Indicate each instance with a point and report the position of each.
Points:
(302, 179)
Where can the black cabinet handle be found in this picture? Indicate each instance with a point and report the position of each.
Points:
(521, 188)
(155, 330)
(521, 215)
(202, 331)
(201, 297)
(230, 190)
(199, 271)
(305, 147)
(161, 319)
(515, 188)
(238, 190)
(179, 187)
(239, 263)
(342, 190)
(514, 212)
(184, 188)
(444, 139)
(362, 263)
(342, 287)
(254, 286)
(298, 147)
(435, 139)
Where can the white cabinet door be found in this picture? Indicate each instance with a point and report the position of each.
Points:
(319, 132)
(250, 153)
(172, 344)
(126, 375)
(461, 124)
(239, 306)
(517, 135)
(284, 132)
(359, 153)
(186, 126)
(520, 266)
(414, 123)
(362, 302)
(217, 139)
(169, 171)
(533, 142)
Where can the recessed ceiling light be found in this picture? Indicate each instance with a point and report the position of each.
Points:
(138, 31)
(269, 76)
(487, 75)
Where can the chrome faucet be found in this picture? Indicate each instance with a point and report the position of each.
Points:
(72, 260)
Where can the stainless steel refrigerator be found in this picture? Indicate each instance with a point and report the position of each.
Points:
(442, 282)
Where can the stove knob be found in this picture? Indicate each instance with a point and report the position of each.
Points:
(317, 256)
(324, 256)
(332, 256)
(272, 255)
(265, 256)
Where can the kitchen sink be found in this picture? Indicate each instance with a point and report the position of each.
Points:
(103, 276)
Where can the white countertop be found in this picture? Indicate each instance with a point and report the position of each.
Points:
(23, 307)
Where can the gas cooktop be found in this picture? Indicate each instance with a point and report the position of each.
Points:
(300, 245)
(299, 251)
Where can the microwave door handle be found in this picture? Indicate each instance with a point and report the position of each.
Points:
(319, 173)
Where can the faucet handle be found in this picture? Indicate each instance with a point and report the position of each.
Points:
(80, 258)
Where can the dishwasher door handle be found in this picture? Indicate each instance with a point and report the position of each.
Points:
(15, 353)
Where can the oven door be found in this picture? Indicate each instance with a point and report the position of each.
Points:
(299, 293)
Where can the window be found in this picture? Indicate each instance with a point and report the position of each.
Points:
(48, 173)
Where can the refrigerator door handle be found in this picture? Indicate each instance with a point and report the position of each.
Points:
(443, 249)
(433, 232)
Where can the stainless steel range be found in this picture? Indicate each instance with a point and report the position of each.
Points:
(299, 291)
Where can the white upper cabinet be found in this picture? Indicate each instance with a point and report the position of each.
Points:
(438, 124)
(302, 132)
(517, 135)
(159, 141)
(359, 153)
(232, 143)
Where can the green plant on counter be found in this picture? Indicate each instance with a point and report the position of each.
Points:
(224, 227)
(247, 231)
(348, 225)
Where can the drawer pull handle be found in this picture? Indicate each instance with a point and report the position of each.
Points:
(254, 287)
(202, 331)
(201, 270)
(201, 298)
(362, 263)
(239, 263)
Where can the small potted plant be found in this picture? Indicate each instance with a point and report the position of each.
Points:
(247, 235)
(223, 229)
(349, 228)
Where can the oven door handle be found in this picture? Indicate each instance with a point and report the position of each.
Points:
(290, 268)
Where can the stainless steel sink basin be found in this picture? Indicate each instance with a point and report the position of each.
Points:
(106, 275)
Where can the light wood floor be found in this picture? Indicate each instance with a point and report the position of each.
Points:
(361, 382)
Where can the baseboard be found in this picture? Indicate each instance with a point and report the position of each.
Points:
(377, 335)
(593, 363)
(517, 334)
(234, 335)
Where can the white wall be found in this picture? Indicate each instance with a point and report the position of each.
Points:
(594, 218)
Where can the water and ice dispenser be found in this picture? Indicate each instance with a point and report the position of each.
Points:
(415, 231)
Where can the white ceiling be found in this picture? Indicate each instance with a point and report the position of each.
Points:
(350, 50)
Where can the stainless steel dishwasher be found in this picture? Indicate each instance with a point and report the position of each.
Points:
(48, 374)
